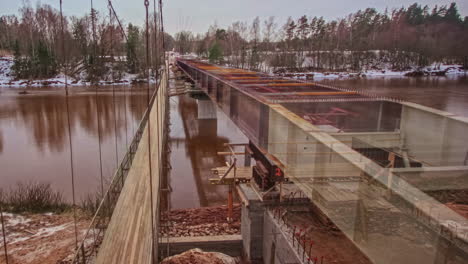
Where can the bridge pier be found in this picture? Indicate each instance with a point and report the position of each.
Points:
(206, 109)
(263, 237)
(252, 214)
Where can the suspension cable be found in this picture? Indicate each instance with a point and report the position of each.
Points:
(125, 117)
(101, 173)
(3, 233)
(146, 2)
(156, 61)
(69, 130)
(99, 141)
(164, 65)
(122, 30)
(93, 28)
(111, 25)
(155, 42)
(162, 32)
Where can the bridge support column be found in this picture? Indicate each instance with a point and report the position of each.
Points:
(251, 223)
(206, 109)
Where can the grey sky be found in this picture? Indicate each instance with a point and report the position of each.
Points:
(197, 15)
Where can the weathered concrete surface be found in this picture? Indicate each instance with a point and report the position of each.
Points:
(263, 239)
(277, 248)
(251, 223)
(444, 144)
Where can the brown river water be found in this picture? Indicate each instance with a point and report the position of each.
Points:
(447, 94)
(34, 142)
(34, 134)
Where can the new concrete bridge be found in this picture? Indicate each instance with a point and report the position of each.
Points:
(374, 168)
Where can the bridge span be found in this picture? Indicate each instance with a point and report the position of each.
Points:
(361, 163)
(376, 168)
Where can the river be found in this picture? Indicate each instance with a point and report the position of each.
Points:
(34, 143)
(443, 93)
(34, 134)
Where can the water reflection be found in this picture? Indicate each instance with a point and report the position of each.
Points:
(446, 94)
(195, 143)
(34, 134)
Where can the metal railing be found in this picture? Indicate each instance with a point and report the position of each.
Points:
(88, 248)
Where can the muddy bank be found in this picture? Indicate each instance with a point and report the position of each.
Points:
(41, 238)
(205, 221)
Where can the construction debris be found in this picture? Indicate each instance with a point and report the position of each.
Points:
(206, 221)
(197, 256)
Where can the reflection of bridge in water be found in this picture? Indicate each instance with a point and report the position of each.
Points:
(200, 145)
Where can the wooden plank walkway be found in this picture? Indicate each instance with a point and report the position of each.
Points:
(128, 238)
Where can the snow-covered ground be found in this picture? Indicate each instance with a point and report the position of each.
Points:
(7, 78)
(432, 70)
(41, 238)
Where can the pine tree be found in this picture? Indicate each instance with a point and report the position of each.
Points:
(18, 62)
(452, 15)
(215, 53)
(45, 64)
(132, 44)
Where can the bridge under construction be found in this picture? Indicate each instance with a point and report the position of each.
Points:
(330, 175)
(374, 173)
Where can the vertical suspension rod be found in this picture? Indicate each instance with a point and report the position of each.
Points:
(69, 131)
(162, 32)
(4, 234)
(146, 2)
(111, 25)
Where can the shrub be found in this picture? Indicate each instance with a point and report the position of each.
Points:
(34, 198)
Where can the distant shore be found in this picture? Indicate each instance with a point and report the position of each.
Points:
(7, 79)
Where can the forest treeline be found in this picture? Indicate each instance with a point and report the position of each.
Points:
(398, 39)
(95, 45)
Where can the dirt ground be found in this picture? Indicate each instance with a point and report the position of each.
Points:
(40, 238)
(329, 242)
(205, 221)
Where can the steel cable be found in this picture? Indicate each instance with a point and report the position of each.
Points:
(69, 129)
(146, 3)
(113, 87)
(4, 233)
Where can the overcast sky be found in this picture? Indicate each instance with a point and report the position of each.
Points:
(197, 15)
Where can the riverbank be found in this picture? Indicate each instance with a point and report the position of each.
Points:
(7, 79)
(441, 70)
(42, 238)
(444, 70)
